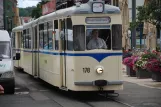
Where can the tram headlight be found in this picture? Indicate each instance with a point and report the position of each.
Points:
(99, 70)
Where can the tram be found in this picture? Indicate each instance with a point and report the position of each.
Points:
(77, 48)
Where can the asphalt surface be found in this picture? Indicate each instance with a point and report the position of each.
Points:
(32, 92)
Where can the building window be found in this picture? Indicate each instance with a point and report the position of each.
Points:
(116, 3)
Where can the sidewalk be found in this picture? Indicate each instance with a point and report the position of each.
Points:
(142, 82)
(140, 92)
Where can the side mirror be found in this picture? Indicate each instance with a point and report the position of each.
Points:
(17, 57)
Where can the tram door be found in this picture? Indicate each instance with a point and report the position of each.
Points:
(34, 55)
(63, 39)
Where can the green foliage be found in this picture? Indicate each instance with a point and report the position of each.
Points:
(149, 56)
(150, 13)
(37, 12)
(25, 12)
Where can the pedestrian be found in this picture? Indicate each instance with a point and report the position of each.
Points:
(1, 90)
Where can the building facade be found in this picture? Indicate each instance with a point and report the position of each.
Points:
(9, 16)
(1, 15)
(138, 3)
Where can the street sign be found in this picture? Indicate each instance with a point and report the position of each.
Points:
(99, 20)
(97, 7)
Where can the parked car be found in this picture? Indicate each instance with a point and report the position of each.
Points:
(7, 76)
(1, 90)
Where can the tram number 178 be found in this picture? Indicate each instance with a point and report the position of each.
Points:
(86, 70)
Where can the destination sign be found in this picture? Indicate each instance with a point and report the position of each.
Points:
(98, 20)
(97, 7)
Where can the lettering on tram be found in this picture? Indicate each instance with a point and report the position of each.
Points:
(86, 70)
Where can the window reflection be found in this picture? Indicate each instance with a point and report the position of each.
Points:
(79, 37)
(5, 50)
(98, 39)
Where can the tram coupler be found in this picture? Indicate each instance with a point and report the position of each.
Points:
(100, 89)
(111, 94)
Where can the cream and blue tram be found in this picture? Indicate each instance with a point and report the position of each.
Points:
(55, 47)
(16, 36)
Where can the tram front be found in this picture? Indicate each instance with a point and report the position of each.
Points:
(97, 39)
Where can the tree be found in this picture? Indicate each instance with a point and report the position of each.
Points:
(150, 13)
(37, 12)
(25, 12)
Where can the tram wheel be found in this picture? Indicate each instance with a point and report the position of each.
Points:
(111, 91)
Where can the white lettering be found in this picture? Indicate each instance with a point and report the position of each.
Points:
(98, 20)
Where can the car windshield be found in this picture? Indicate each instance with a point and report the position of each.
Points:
(5, 52)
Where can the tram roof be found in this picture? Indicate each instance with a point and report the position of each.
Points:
(74, 10)
(18, 28)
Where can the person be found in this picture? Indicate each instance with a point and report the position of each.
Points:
(1, 90)
(96, 42)
(50, 45)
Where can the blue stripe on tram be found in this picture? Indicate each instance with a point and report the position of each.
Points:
(98, 56)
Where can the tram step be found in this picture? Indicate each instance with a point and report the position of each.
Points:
(64, 88)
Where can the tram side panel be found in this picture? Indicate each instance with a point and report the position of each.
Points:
(49, 67)
(70, 73)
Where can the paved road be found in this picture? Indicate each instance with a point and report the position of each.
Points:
(32, 92)
(140, 96)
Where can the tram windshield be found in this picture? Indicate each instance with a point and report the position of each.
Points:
(107, 39)
(5, 52)
(98, 39)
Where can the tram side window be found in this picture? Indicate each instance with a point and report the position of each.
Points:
(98, 39)
(35, 29)
(56, 34)
(79, 37)
(19, 39)
(70, 34)
(116, 37)
(22, 40)
(50, 35)
(29, 39)
(24, 32)
(41, 35)
(62, 34)
(45, 46)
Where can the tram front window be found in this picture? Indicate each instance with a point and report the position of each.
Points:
(5, 50)
(98, 39)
